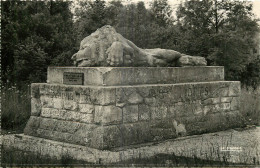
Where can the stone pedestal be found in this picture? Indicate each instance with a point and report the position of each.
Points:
(109, 108)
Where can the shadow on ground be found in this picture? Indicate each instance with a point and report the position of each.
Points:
(19, 158)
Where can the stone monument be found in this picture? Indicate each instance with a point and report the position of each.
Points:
(102, 107)
(106, 47)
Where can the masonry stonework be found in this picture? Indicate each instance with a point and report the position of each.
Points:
(110, 114)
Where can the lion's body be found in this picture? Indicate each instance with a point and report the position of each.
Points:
(106, 47)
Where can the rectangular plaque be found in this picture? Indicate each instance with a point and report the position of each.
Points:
(71, 78)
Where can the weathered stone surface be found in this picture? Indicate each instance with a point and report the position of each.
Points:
(130, 113)
(50, 112)
(105, 47)
(36, 106)
(104, 96)
(46, 102)
(32, 125)
(71, 116)
(73, 97)
(226, 99)
(199, 145)
(61, 130)
(86, 108)
(170, 94)
(235, 103)
(114, 76)
(186, 60)
(213, 100)
(67, 115)
(58, 103)
(125, 134)
(71, 105)
(144, 112)
(108, 115)
(117, 116)
(234, 90)
(179, 128)
(111, 136)
(215, 108)
(87, 118)
(98, 140)
(135, 98)
(158, 112)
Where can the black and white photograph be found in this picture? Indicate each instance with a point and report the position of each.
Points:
(130, 83)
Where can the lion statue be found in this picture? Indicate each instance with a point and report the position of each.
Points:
(105, 47)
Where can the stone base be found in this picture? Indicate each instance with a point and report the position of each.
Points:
(118, 76)
(111, 117)
(244, 145)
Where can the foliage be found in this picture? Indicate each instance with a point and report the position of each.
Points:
(250, 105)
(35, 35)
(226, 35)
(16, 107)
(251, 77)
(134, 24)
(89, 15)
(162, 12)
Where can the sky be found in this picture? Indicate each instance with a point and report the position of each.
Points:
(175, 3)
(256, 8)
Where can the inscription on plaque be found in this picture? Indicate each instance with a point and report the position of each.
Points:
(71, 78)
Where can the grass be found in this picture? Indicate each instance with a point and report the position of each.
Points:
(250, 105)
(16, 108)
(18, 158)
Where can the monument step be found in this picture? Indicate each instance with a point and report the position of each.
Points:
(240, 147)
(114, 76)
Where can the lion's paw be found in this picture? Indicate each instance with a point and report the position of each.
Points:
(115, 54)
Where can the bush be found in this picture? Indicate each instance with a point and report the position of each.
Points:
(250, 105)
(16, 107)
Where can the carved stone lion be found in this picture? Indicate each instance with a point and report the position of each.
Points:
(106, 47)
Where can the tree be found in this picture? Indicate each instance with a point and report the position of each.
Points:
(162, 12)
(35, 35)
(251, 77)
(10, 36)
(134, 23)
(90, 15)
(222, 31)
(112, 12)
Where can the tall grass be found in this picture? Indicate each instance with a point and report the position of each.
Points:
(18, 158)
(16, 107)
(250, 105)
